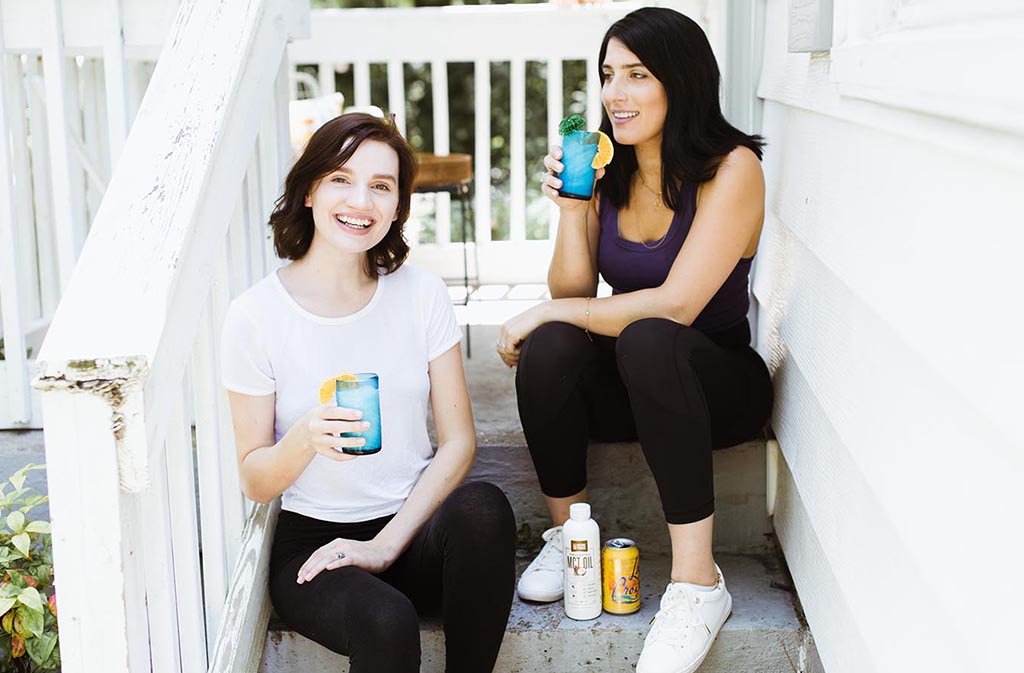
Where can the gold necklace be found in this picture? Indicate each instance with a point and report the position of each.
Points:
(658, 203)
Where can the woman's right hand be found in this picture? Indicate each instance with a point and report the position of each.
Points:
(321, 428)
(550, 183)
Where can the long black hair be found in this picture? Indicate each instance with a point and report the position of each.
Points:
(696, 137)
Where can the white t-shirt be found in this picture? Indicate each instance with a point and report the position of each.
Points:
(270, 344)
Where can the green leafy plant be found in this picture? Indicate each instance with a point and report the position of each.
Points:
(28, 606)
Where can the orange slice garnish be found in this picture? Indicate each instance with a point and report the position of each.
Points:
(328, 387)
(605, 151)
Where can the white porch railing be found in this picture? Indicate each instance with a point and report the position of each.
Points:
(147, 573)
(353, 40)
(98, 63)
(55, 162)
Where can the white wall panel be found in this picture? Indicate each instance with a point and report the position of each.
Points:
(888, 283)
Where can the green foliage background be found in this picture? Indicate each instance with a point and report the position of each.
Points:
(420, 117)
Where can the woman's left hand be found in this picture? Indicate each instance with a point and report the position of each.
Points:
(372, 556)
(514, 332)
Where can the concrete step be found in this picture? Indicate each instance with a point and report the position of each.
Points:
(624, 497)
(764, 634)
(622, 490)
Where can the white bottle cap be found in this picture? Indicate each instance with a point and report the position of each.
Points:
(579, 511)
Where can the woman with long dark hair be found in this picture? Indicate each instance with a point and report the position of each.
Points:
(364, 542)
(666, 359)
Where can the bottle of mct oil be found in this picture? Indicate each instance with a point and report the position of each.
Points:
(581, 538)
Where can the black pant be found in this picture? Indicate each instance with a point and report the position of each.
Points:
(678, 390)
(463, 559)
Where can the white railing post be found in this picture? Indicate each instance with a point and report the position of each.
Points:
(112, 365)
(91, 409)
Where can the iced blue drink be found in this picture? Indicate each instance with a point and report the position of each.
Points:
(362, 392)
(583, 152)
(578, 152)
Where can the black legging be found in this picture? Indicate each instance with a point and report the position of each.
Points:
(463, 559)
(678, 390)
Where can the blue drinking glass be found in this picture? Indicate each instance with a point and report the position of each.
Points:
(578, 151)
(362, 394)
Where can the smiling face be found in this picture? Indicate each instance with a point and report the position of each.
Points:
(355, 205)
(635, 101)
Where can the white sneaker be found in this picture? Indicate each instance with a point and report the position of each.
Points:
(542, 581)
(685, 628)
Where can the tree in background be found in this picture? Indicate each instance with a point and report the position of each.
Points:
(420, 115)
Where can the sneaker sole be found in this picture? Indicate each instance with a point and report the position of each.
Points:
(541, 598)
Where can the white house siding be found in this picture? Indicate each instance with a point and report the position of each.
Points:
(888, 282)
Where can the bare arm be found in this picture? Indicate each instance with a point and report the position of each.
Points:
(456, 449)
(726, 226)
(266, 468)
(573, 269)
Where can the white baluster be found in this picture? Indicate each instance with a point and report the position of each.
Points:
(31, 302)
(361, 77)
(325, 76)
(93, 146)
(517, 151)
(185, 538)
(115, 79)
(211, 505)
(439, 95)
(396, 93)
(11, 309)
(42, 191)
(555, 113)
(161, 596)
(254, 221)
(593, 94)
(60, 109)
(482, 151)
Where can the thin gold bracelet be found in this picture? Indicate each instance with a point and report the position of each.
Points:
(586, 313)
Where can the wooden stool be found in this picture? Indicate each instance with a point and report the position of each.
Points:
(451, 174)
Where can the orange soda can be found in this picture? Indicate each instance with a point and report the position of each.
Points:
(620, 569)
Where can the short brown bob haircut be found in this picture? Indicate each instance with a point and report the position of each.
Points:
(328, 149)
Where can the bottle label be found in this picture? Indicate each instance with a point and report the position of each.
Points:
(580, 563)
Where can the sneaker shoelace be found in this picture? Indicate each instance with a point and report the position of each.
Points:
(676, 617)
(550, 557)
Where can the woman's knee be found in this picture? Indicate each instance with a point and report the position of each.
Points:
(654, 351)
(389, 622)
(551, 350)
(480, 511)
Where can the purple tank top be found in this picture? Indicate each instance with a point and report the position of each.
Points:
(628, 266)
